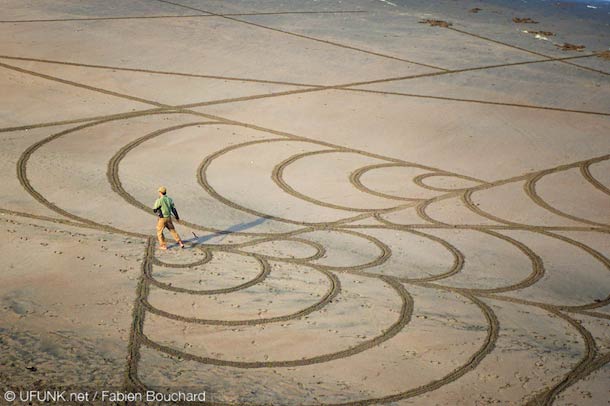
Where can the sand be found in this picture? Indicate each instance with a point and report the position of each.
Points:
(382, 202)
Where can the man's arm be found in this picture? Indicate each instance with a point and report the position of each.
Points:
(157, 208)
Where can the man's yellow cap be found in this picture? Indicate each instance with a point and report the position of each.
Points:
(162, 189)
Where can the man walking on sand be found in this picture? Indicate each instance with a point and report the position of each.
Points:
(164, 207)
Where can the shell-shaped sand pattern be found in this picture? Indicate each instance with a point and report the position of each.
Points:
(354, 285)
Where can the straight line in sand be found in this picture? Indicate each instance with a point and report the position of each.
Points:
(311, 88)
(81, 85)
(179, 16)
(157, 72)
(336, 44)
(492, 103)
(373, 52)
(524, 49)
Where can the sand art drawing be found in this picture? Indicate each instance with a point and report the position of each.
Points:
(221, 310)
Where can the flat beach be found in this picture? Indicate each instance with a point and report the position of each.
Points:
(383, 202)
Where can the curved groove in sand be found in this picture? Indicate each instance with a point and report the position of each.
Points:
(265, 269)
(530, 190)
(332, 292)
(586, 173)
(203, 181)
(205, 260)
(419, 181)
(395, 328)
(278, 178)
(355, 179)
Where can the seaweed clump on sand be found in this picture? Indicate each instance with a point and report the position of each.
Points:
(436, 23)
(604, 55)
(570, 47)
(525, 20)
(545, 33)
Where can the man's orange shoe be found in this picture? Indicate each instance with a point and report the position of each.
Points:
(163, 247)
(181, 244)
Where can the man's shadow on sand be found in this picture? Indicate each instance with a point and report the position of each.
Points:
(196, 240)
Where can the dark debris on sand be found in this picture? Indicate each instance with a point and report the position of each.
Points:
(525, 20)
(545, 33)
(474, 10)
(604, 55)
(570, 47)
(436, 23)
